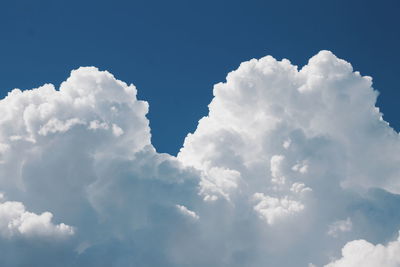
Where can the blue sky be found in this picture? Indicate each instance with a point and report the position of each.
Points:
(175, 51)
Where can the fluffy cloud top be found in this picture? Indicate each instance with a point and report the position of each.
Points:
(15, 220)
(288, 167)
(363, 253)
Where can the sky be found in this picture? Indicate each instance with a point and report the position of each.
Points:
(175, 51)
(222, 134)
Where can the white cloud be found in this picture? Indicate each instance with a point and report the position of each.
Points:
(15, 220)
(362, 253)
(95, 124)
(117, 131)
(300, 167)
(317, 130)
(83, 152)
(267, 102)
(281, 155)
(286, 143)
(218, 182)
(54, 125)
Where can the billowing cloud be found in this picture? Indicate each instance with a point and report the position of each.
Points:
(288, 167)
(362, 253)
(185, 211)
(15, 220)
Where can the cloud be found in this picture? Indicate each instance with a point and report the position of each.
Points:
(277, 176)
(308, 146)
(339, 226)
(15, 220)
(272, 209)
(185, 211)
(55, 125)
(288, 166)
(363, 253)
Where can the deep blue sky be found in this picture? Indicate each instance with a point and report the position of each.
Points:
(174, 51)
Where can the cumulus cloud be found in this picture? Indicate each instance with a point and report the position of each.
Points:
(277, 176)
(308, 145)
(288, 166)
(15, 220)
(272, 209)
(55, 125)
(185, 211)
(363, 253)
